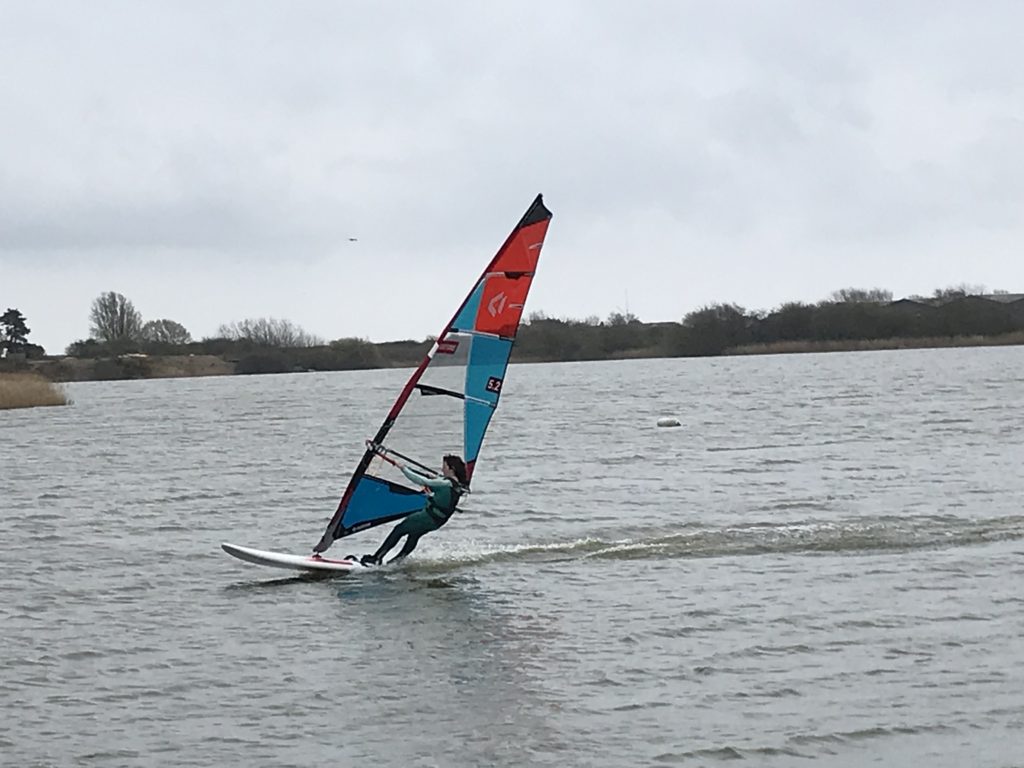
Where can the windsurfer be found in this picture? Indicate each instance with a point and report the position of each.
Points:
(443, 495)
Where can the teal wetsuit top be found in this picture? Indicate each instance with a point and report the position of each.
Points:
(441, 494)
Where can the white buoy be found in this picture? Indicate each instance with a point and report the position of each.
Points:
(668, 421)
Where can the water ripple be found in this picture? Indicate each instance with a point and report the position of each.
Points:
(821, 565)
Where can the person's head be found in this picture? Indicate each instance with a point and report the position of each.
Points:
(455, 467)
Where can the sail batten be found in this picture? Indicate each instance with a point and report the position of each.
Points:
(460, 378)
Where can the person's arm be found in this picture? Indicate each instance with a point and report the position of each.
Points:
(429, 482)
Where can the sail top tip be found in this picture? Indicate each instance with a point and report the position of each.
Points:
(537, 212)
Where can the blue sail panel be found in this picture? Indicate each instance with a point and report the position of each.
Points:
(488, 359)
(478, 416)
(485, 372)
(375, 500)
(467, 315)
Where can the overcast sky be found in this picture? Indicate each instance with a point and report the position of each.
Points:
(211, 161)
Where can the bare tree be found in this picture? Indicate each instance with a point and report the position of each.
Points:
(269, 332)
(861, 296)
(113, 318)
(942, 295)
(622, 318)
(165, 332)
(716, 327)
(730, 314)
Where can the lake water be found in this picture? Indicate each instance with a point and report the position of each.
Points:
(824, 565)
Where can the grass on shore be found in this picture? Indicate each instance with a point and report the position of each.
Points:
(27, 390)
(790, 347)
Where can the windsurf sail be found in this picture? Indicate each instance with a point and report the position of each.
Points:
(447, 404)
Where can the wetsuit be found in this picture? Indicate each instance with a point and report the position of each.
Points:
(442, 496)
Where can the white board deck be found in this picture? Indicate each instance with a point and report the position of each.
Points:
(291, 562)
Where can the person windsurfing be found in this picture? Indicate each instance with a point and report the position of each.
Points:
(443, 494)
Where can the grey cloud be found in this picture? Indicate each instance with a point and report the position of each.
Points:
(273, 132)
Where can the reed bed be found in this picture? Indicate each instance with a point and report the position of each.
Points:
(791, 347)
(28, 390)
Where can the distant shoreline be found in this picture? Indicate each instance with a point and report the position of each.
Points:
(129, 367)
(867, 345)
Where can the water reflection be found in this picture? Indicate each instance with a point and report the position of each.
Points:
(453, 667)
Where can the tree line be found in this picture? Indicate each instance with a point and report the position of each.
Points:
(848, 315)
(256, 345)
(269, 345)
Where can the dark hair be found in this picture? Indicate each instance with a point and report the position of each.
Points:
(458, 467)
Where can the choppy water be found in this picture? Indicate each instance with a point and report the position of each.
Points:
(823, 566)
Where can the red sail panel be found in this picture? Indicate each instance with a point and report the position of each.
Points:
(522, 251)
(502, 303)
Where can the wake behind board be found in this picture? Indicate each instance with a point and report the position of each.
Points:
(290, 562)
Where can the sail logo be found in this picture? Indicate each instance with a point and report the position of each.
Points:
(493, 384)
(497, 305)
(448, 346)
